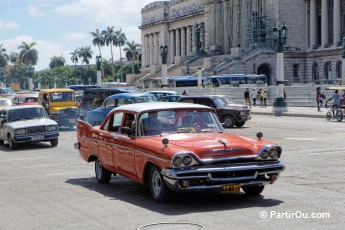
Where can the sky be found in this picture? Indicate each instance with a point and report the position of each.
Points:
(59, 27)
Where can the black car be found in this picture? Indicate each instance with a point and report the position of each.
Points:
(93, 98)
(230, 115)
(171, 98)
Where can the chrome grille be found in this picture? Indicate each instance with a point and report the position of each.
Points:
(36, 129)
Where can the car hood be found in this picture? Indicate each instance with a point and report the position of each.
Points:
(31, 123)
(235, 106)
(214, 145)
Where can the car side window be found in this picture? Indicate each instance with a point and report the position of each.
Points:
(188, 100)
(110, 103)
(117, 120)
(206, 101)
(121, 101)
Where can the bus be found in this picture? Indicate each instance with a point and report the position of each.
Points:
(182, 81)
(242, 79)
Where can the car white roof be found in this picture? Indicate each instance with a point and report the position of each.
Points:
(151, 106)
(22, 107)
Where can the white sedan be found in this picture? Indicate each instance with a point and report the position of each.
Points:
(27, 124)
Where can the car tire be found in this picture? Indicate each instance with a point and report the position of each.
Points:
(158, 189)
(11, 142)
(54, 142)
(339, 115)
(328, 116)
(103, 176)
(240, 124)
(229, 121)
(253, 190)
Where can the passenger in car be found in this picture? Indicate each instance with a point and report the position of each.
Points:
(151, 125)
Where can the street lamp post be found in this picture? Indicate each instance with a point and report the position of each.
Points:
(279, 38)
(164, 56)
(30, 71)
(343, 63)
(99, 72)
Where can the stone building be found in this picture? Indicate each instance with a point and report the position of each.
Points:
(235, 36)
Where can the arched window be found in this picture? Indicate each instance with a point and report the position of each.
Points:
(315, 72)
(327, 71)
(338, 70)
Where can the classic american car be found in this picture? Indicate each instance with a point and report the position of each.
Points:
(27, 124)
(177, 147)
(96, 116)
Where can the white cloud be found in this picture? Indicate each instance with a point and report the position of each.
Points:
(8, 25)
(75, 36)
(34, 10)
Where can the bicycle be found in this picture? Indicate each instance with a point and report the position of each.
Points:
(335, 113)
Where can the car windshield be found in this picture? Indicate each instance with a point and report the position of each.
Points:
(219, 102)
(8, 91)
(27, 114)
(178, 121)
(142, 99)
(63, 96)
(226, 99)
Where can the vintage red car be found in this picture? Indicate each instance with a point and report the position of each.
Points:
(25, 99)
(177, 147)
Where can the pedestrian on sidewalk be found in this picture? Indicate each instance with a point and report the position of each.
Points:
(260, 98)
(247, 98)
(319, 99)
(264, 96)
(254, 95)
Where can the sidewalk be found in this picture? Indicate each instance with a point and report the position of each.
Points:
(292, 111)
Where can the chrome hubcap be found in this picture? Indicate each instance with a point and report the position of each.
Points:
(156, 183)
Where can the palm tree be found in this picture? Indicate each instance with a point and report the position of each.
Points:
(98, 40)
(85, 54)
(3, 56)
(14, 58)
(57, 61)
(120, 41)
(132, 52)
(109, 39)
(28, 55)
(75, 57)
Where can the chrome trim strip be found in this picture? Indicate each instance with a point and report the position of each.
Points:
(226, 150)
(126, 148)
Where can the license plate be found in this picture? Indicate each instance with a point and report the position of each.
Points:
(71, 120)
(231, 188)
(37, 138)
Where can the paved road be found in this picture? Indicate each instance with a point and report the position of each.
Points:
(52, 188)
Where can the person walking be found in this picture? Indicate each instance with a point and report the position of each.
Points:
(264, 97)
(319, 101)
(247, 98)
(254, 95)
(259, 97)
(184, 93)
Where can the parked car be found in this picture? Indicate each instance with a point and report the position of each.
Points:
(227, 114)
(61, 105)
(27, 124)
(6, 92)
(170, 98)
(96, 116)
(162, 93)
(5, 102)
(25, 99)
(177, 147)
(93, 97)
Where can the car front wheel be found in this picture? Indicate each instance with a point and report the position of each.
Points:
(11, 142)
(159, 190)
(253, 190)
(103, 176)
(229, 121)
(54, 142)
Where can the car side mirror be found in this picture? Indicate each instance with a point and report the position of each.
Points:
(125, 130)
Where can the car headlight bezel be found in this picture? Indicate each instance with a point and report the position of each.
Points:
(183, 159)
(269, 152)
(20, 131)
(51, 128)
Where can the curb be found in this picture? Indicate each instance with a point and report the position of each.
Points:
(290, 114)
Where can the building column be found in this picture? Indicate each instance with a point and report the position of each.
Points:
(189, 41)
(336, 22)
(226, 28)
(150, 49)
(183, 41)
(217, 24)
(193, 39)
(324, 22)
(178, 42)
(171, 47)
(312, 33)
(143, 50)
(154, 44)
(157, 51)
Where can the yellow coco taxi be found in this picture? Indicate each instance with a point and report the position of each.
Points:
(61, 105)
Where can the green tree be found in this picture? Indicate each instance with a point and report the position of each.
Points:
(98, 40)
(75, 57)
(132, 52)
(57, 61)
(28, 55)
(120, 41)
(14, 58)
(3, 57)
(85, 54)
(109, 39)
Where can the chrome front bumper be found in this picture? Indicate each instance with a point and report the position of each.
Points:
(210, 177)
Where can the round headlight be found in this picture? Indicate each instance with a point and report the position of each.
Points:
(273, 153)
(264, 154)
(177, 161)
(187, 160)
